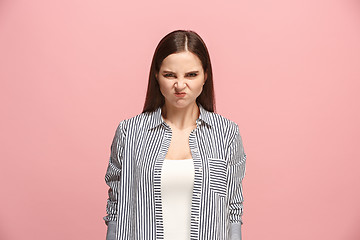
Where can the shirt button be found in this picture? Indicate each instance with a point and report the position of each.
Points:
(197, 219)
(195, 150)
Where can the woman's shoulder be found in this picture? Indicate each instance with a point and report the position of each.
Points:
(223, 122)
(135, 122)
(147, 120)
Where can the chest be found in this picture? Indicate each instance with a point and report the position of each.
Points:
(179, 145)
(143, 174)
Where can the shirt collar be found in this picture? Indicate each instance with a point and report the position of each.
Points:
(157, 118)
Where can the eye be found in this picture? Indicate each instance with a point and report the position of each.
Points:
(168, 75)
(192, 74)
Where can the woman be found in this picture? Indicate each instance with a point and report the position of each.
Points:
(176, 169)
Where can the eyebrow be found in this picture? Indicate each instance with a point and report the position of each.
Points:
(187, 72)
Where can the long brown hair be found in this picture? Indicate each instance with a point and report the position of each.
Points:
(174, 42)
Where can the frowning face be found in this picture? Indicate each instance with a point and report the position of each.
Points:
(181, 78)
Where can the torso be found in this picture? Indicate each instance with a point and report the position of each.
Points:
(179, 147)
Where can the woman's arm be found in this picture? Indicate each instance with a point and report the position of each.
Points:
(235, 231)
(111, 229)
(112, 179)
(236, 172)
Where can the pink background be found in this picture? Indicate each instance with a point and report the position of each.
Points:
(286, 71)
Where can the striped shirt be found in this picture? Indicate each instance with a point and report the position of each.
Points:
(138, 149)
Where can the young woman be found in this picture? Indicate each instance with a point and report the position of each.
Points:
(176, 169)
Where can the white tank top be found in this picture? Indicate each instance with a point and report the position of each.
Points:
(177, 181)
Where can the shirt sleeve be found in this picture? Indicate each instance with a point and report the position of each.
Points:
(235, 231)
(236, 173)
(113, 178)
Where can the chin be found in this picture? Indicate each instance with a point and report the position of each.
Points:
(183, 104)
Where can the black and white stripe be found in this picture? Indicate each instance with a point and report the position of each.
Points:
(134, 176)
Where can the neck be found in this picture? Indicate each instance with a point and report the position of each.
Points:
(181, 118)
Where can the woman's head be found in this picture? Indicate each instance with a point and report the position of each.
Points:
(181, 63)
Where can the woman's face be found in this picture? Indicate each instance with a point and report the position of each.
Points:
(181, 73)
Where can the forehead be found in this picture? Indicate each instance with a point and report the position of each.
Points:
(181, 61)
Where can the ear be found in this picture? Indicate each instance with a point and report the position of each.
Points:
(205, 77)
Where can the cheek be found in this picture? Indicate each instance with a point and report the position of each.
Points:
(198, 87)
(164, 87)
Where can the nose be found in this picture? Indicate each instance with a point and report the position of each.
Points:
(180, 83)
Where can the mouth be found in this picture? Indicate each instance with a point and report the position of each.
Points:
(180, 94)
